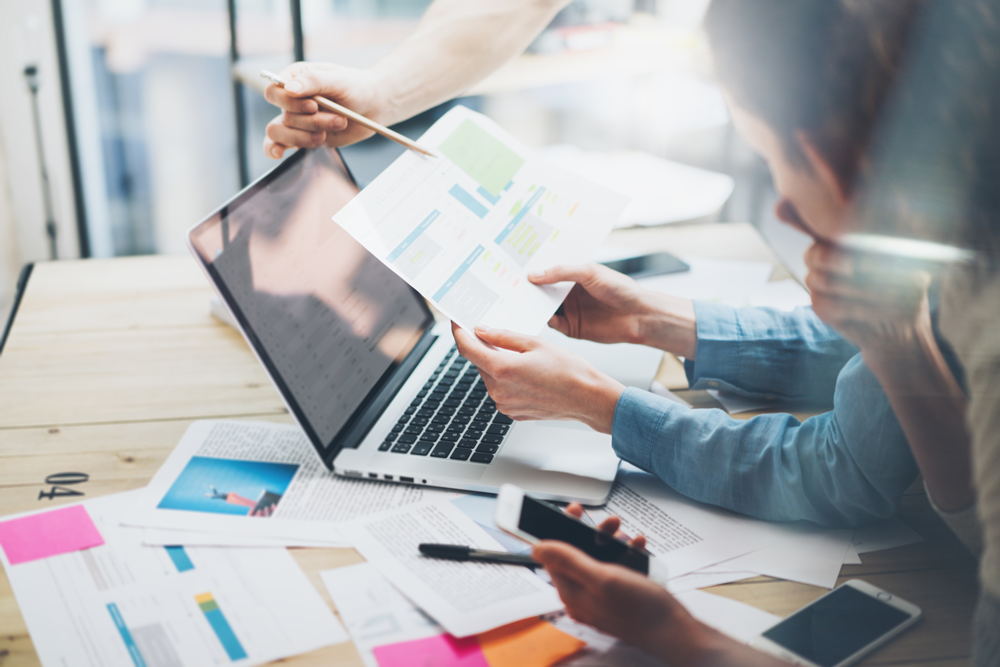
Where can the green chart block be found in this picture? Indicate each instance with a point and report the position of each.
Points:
(481, 156)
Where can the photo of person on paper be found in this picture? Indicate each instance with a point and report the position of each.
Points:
(230, 486)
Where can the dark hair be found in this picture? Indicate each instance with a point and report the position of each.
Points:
(821, 66)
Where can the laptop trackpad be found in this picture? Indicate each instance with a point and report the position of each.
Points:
(545, 454)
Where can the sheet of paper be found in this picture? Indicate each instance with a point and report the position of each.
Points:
(781, 294)
(684, 534)
(661, 191)
(260, 480)
(805, 553)
(466, 598)
(123, 604)
(374, 611)
(851, 556)
(48, 533)
(731, 617)
(376, 614)
(706, 578)
(166, 537)
(465, 228)
(715, 280)
(885, 534)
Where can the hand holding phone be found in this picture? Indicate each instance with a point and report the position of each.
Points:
(534, 520)
(654, 264)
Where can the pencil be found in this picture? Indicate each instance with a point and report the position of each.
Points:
(356, 117)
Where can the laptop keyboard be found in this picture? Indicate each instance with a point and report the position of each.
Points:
(452, 417)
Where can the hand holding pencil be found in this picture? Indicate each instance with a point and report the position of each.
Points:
(310, 118)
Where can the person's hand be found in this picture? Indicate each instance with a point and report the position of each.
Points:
(305, 124)
(609, 526)
(529, 378)
(884, 310)
(608, 307)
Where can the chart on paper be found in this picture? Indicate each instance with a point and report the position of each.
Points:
(465, 228)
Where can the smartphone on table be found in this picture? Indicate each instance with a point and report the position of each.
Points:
(534, 520)
(648, 265)
(839, 628)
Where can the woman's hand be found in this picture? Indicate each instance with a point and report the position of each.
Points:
(304, 124)
(884, 311)
(529, 378)
(608, 307)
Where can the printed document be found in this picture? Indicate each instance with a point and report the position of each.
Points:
(123, 604)
(466, 598)
(684, 534)
(261, 480)
(466, 227)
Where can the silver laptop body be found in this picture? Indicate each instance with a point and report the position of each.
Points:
(372, 379)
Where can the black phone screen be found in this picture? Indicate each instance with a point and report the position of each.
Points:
(648, 265)
(836, 626)
(548, 523)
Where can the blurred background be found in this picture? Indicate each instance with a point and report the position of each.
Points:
(149, 113)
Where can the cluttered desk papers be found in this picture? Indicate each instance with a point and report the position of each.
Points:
(467, 227)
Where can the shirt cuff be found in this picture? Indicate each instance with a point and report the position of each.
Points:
(640, 425)
(719, 343)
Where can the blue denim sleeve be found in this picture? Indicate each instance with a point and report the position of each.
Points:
(766, 353)
(845, 467)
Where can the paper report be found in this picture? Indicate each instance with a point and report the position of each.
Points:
(465, 228)
(123, 604)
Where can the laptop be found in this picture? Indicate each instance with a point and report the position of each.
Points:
(372, 379)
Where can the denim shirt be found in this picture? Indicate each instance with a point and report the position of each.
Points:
(845, 467)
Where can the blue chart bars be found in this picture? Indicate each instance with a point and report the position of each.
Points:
(180, 558)
(469, 201)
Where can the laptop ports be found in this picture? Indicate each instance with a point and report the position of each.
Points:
(406, 479)
(388, 477)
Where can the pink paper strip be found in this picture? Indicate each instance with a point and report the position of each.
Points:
(48, 534)
(439, 651)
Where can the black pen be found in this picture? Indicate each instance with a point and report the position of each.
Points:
(456, 552)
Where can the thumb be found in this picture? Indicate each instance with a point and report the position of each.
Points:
(508, 340)
(577, 273)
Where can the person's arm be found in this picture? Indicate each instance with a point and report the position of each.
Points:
(887, 314)
(766, 353)
(456, 44)
(845, 467)
(762, 352)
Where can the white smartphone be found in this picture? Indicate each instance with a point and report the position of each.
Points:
(839, 628)
(534, 520)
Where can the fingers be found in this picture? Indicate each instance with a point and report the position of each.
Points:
(576, 273)
(575, 510)
(567, 562)
(610, 525)
(639, 542)
(280, 133)
(471, 347)
(507, 340)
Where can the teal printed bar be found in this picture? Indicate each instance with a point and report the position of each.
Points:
(133, 650)
(408, 241)
(468, 201)
(458, 273)
(520, 214)
(484, 193)
(181, 560)
(221, 626)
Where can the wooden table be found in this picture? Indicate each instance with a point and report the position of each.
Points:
(110, 360)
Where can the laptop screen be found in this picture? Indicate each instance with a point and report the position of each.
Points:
(328, 320)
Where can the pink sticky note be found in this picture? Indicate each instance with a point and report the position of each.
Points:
(439, 651)
(48, 534)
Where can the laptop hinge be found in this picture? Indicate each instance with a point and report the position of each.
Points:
(353, 435)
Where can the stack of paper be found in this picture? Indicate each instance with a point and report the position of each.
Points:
(124, 603)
